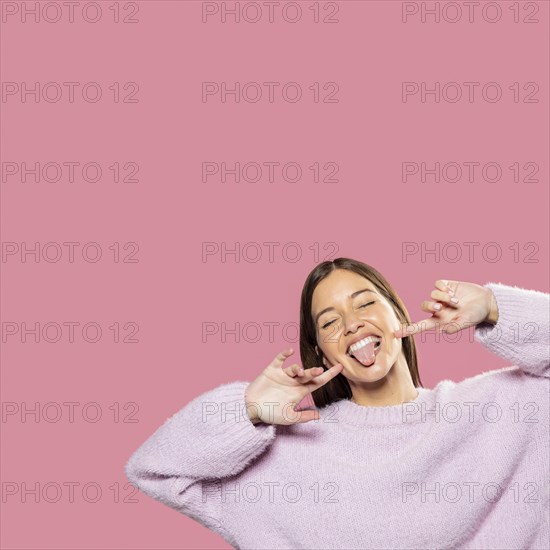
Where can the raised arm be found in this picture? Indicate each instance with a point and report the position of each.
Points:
(521, 334)
(512, 322)
(210, 438)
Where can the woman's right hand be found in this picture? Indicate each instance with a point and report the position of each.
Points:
(273, 396)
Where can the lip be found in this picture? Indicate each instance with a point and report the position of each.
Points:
(359, 338)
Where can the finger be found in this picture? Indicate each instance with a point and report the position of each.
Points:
(457, 325)
(444, 297)
(432, 307)
(326, 376)
(312, 373)
(446, 286)
(304, 375)
(294, 370)
(281, 357)
(419, 326)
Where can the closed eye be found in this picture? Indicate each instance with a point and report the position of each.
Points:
(330, 322)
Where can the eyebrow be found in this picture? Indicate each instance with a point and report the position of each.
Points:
(351, 296)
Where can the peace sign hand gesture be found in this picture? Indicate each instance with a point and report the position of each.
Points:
(272, 397)
(455, 305)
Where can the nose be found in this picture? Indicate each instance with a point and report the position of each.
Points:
(352, 323)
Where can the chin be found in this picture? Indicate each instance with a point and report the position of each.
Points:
(369, 376)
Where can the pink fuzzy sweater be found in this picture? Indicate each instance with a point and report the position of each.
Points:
(464, 465)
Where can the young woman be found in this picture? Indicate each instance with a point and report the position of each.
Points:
(381, 462)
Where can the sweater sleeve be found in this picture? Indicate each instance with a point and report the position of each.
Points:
(522, 332)
(210, 438)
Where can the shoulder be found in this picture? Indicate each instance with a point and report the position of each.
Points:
(505, 385)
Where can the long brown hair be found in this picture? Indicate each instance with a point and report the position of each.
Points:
(338, 387)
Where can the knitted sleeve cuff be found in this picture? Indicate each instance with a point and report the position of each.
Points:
(522, 332)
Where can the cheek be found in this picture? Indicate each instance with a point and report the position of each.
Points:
(396, 346)
(326, 344)
(389, 320)
(330, 348)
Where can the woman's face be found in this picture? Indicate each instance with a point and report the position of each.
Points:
(354, 314)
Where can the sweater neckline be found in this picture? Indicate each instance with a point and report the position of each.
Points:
(410, 412)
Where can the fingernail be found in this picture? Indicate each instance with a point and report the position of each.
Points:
(454, 300)
(437, 306)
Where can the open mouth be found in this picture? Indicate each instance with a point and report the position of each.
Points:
(363, 343)
(361, 355)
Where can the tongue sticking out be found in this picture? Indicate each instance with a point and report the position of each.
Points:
(365, 355)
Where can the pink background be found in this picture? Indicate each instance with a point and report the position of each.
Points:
(171, 292)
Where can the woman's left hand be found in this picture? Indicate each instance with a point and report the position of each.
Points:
(462, 305)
